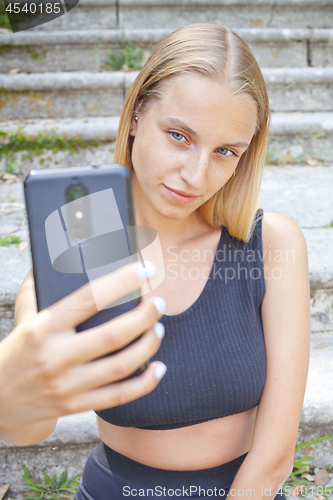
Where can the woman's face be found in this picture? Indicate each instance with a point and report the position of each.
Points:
(189, 140)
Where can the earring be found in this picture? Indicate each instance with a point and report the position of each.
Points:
(136, 117)
(233, 175)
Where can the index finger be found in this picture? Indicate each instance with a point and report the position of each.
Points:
(94, 296)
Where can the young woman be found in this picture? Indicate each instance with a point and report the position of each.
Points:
(224, 419)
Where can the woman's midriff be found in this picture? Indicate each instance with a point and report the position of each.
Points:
(199, 446)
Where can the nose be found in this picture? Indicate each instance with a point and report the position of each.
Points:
(194, 171)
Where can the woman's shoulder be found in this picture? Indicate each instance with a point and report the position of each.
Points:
(280, 228)
(280, 234)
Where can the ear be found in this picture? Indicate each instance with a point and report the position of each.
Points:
(134, 125)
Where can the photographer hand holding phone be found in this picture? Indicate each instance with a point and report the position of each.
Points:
(47, 370)
(83, 243)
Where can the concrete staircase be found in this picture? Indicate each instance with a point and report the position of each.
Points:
(64, 85)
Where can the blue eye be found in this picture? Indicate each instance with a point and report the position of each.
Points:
(177, 136)
(224, 151)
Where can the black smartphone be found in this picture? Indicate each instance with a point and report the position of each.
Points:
(82, 226)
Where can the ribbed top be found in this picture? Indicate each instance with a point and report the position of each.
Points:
(214, 351)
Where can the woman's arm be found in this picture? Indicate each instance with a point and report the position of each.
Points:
(25, 309)
(286, 324)
(47, 370)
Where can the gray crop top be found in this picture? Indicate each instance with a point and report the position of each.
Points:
(214, 351)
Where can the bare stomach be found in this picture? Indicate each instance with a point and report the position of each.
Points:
(199, 446)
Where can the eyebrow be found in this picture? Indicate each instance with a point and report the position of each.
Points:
(178, 123)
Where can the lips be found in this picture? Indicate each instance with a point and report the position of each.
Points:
(182, 193)
(177, 197)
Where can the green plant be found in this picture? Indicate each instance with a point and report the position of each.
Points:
(5, 48)
(124, 55)
(4, 91)
(305, 154)
(6, 241)
(35, 55)
(320, 134)
(301, 466)
(4, 21)
(18, 141)
(51, 489)
(8, 48)
(273, 158)
(281, 160)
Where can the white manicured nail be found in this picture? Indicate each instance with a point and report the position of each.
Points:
(159, 330)
(160, 370)
(146, 272)
(160, 304)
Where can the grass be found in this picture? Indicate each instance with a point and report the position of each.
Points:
(49, 488)
(35, 55)
(4, 21)
(19, 141)
(124, 56)
(297, 483)
(5, 48)
(6, 241)
(272, 157)
(275, 158)
(4, 91)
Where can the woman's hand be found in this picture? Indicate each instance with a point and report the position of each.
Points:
(48, 370)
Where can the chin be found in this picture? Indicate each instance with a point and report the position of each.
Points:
(174, 214)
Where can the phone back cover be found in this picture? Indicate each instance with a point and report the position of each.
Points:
(62, 262)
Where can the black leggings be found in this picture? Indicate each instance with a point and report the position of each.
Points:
(108, 475)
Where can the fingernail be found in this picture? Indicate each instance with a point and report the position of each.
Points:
(159, 330)
(160, 304)
(146, 272)
(160, 370)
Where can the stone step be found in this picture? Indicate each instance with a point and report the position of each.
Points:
(233, 13)
(88, 14)
(87, 50)
(53, 95)
(302, 193)
(129, 14)
(81, 94)
(76, 435)
(302, 136)
(101, 129)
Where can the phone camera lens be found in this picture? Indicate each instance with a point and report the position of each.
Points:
(75, 193)
(81, 233)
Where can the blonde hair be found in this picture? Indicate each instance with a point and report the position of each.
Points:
(214, 51)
